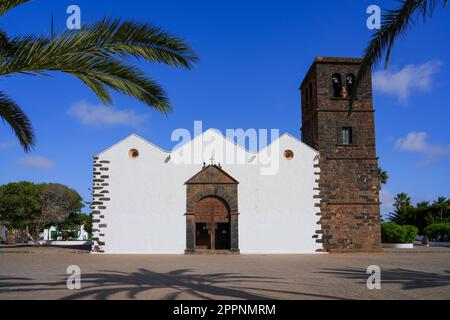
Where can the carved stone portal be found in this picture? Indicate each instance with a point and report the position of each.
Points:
(212, 212)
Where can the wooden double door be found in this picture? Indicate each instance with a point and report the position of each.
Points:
(212, 224)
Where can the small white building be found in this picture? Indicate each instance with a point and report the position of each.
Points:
(208, 195)
(53, 233)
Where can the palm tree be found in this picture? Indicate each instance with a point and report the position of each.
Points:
(394, 24)
(441, 205)
(382, 176)
(96, 55)
(403, 209)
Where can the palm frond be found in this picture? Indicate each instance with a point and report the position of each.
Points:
(11, 113)
(394, 23)
(97, 87)
(128, 38)
(118, 76)
(6, 5)
(35, 55)
(94, 54)
(4, 44)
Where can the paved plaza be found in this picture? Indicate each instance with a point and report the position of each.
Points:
(30, 273)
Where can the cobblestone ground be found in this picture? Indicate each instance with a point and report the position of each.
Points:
(28, 273)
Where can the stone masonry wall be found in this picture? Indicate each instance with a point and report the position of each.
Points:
(100, 199)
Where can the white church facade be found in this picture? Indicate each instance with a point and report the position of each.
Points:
(141, 198)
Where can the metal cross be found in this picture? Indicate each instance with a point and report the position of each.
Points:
(211, 159)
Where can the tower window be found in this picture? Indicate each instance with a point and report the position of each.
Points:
(336, 80)
(347, 136)
(350, 82)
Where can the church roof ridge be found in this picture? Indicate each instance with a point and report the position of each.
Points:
(290, 136)
(128, 137)
(299, 141)
(214, 130)
(228, 139)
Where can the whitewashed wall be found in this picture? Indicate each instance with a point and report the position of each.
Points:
(145, 213)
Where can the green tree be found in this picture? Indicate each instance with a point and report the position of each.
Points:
(19, 205)
(57, 203)
(442, 208)
(394, 24)
(423, 215)
(404, 210)
(31, 207)
(97, 55)
(88, 223)
(438, 231)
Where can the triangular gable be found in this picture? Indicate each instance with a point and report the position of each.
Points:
(133, 136)
(212, 174)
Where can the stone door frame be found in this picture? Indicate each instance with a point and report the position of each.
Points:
(212, 181)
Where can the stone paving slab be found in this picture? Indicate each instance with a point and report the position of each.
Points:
(422, 273)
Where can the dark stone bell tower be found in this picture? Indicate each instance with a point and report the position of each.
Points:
(349, 186)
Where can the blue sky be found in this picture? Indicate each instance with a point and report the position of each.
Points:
(254, 55)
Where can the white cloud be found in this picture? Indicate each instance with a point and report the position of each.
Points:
(414, 141)
(37, 162)
(7, 144)
(102, 115)
(417, 142)
(403, 82)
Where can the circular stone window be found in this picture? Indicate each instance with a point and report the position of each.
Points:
(133, 153)
(289, 154)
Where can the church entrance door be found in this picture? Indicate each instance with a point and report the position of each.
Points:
(212, 224)
(222, 233)
(202, 238)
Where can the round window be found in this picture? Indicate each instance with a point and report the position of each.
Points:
(289, 154)
(133, 153)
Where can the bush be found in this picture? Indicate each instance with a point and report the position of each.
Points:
(394, 233)
(438, 232)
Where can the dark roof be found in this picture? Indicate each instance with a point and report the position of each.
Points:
(212, 174)
(340, 60)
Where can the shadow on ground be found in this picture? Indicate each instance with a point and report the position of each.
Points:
(409, 279)
(107, 283)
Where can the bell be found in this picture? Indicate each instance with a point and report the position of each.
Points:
(344, 93)
(349, 80)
